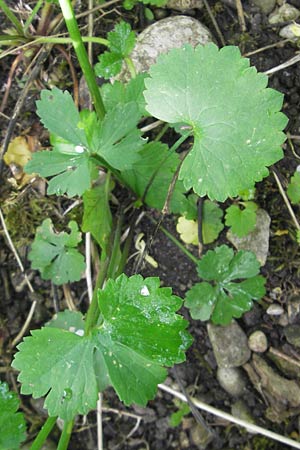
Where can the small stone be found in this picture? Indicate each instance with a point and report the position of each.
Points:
(184, 440)
(275, 310)
(200, 436)
(288, 32)
(285, 13)
(184, 5)
(285, 366)
(229, 344)
(258, 240)
(240, 410)
(283, 320)
(161, 37)
(293, 307)
(258, 342)
(292, 334)
(231, 380)
(282, 392)
(266, 6)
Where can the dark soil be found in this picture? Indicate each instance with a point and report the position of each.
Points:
(198, 374)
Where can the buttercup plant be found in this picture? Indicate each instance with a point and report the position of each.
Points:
(131, 331)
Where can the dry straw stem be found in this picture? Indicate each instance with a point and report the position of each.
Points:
(250, 427)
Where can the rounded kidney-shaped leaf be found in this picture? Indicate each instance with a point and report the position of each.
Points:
(235, 119)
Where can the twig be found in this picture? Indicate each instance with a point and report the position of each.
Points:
(12, 70)
(216, 412)
(151, 126)
(99, 423)
(290, 137)
(285, 199)
(97, 8)
(267, 47)
(241, 15)
(288, 63)
(284, 356)
(68, 298)
(215, 24)
(88, 271)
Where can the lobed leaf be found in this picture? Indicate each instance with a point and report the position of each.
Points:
(293, 190)
(225, 298)
(241, 221)
(121, 42)
(140, 333)
(55, 255)
(97, 218)
(12, 423)
(235, 120)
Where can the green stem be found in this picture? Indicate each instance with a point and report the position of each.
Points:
(65, 435)
(66, 40)
(82, 56)
(43, 434)
(162, 132)
(176, 242)
(113, 262)
(11, 17)
(93, 311)
(32, 15)
(131, 67)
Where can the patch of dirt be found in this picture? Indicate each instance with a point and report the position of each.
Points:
(198, 374)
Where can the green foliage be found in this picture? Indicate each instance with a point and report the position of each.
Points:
(81, 142)
(55, 254)
(293, 189)
(121, 42)
(154, 172)
(241, 221)
(235, 120)
(212, 224)
(223, 298)
(97, 218)
(139, 334)
(177, 416)
(129, 4)
(121, 93)
(12, 423)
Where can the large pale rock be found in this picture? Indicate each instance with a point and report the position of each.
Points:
(230, 345)
(258, 240)
(161, 37)
(266, 6)
(285, 13)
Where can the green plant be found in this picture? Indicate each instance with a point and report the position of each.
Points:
(12, 423)
(131, 331)
(222, 296)
(293, 189)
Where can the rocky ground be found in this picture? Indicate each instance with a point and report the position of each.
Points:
(250, 368)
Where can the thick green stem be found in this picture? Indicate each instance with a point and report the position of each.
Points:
(82, 56)
(43, 434)
(65, 435)
(93, 311)
(11, 17)
(65, 40)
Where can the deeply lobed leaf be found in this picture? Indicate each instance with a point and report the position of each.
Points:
(139, 334)
(227, 296)
(12, 423)
(56, 255)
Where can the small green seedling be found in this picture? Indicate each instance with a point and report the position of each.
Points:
(222, 296)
